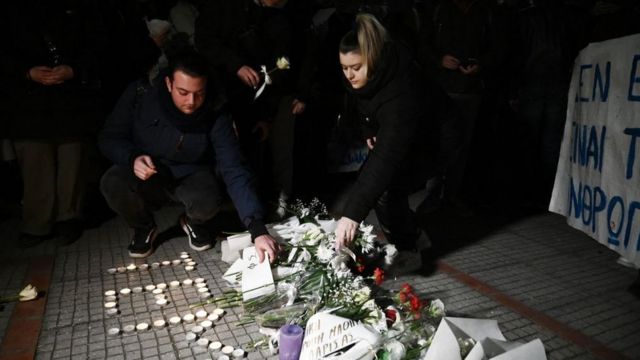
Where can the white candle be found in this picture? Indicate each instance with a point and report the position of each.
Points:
(150, 287)
(132, 267)
(187, 282)
(125, 291)
(237, 353)
(176, 262)
(110, 304)
(213, 317)
(227, 350)
(109, 293)
(201, 314)
(174, 284)
(159, 323)
(190, 337)
(198, 280)
(142, 326)
(175, 320)
(166, 263)
(137, 289)
(188, 318)
(110, 298)
(161, 302)
(188, 268)
(203, 342)
(215, 346)
(113, 331)
(113, 271)
(128, 328)
(197, 329)
(207, 324)
(157, 291)
(161, 286)
(218, 312)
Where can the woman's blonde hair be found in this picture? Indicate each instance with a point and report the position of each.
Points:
(368, 40)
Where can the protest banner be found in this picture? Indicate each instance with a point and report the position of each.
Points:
(597, 184)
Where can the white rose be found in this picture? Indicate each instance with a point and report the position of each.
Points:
(283, 63)
(29, 292)
(395, 349)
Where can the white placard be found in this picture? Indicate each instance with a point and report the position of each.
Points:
(257, 279)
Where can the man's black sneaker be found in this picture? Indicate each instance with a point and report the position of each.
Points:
(142, 243)
(199, 236)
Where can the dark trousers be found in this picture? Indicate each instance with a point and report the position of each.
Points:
(54, 179)
(543, 114)
(135, 199)
(396, 219)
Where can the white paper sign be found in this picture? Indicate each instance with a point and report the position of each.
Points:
(335, 337)
(256, 277)
(233, 246)
(596, 185)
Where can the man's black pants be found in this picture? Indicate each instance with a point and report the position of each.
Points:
(135, 199)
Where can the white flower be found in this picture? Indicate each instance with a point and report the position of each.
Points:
(395, 349)
(436, 308)
(29, 292)
(325, 253)
(390, 254)
(314, 236)
(283, 63)
(362, 295)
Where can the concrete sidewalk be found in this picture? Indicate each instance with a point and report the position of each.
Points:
(534, 274)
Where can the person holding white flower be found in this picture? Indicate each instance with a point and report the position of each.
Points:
(171, 141)
(246, 42)
(396, 111)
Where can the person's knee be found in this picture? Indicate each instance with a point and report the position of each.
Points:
(113, 183)
(204, 208)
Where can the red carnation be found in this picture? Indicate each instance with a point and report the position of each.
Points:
(415, 303)
(406, 288)
(378, 276)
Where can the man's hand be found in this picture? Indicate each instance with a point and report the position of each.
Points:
(143, 167)
(265, 243)
(470, 70)
(371, 142)
(345, 232)
(50, 76)
(248, 76)
(450, 62)
(298, 107)
(263, 128)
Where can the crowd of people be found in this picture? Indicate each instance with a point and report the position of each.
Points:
(188, 101)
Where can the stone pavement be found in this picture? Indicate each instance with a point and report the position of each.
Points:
(534, 274)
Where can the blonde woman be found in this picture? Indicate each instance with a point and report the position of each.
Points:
(396, 109)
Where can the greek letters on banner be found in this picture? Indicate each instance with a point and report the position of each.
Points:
(597, 185)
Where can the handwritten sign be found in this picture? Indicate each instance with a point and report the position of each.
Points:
(597, 181)
(328, 335)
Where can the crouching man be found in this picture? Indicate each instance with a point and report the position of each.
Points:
(170, 142)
